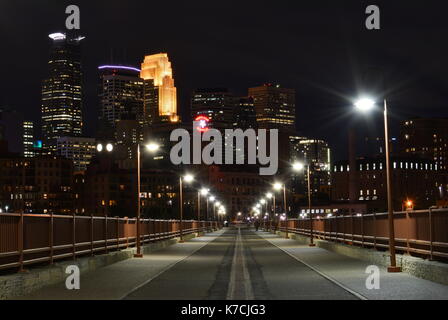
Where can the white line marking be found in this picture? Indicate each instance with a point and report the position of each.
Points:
(356, 294)
(239, 268)
(169, 267)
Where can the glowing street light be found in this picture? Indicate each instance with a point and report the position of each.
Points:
(279, 186)
(188, 178)
(154, 148)
(365, 105)
(299, 166)
(203, 192)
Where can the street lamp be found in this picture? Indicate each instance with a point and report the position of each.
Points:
(203, 192)
(278, 186)
(365, 105)
(188, 178)
(298, 166)
(152, 147)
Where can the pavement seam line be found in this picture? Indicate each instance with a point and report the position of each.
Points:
(168, 268)
(238, 255)
(356, 294)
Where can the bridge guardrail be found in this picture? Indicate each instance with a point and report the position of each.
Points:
(28, 239)
(422, 233)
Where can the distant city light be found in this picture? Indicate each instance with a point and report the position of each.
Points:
(118, 67)
(57, 36)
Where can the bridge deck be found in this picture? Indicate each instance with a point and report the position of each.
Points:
(240, 264)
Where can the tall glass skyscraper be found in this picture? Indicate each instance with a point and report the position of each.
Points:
(62, 90)
(121, 94)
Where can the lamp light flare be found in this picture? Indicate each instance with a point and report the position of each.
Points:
(152, 147)
(188, 178)
(278, 186)
(298, 166)
(365, 104)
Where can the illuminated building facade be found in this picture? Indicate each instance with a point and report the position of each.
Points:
(217, 104)
(428, 139)
(78, 149)
(121, 94)
(62, 91)
(244, 116)
(28, 139)
(39, 185)
(414, 179)
(317, 154)
(275, 107)
(160, 93)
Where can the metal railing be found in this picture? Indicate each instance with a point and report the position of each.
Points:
(422, 233)
(29, 239)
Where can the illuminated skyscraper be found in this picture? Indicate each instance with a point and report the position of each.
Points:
(160, 92)
(275, 107)
(62, 91)
(217, 105)
(28, 139)
(121, 94)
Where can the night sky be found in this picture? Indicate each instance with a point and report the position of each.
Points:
(320, 48)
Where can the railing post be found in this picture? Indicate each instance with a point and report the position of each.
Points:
(353, 227)
(105, 233)
(51, 237)
(20, 241)
(431, 235)
(408, 231)
(91, 234)
(374, 230)
(74, 237)
(126, 229)
(362, 229)
(118, 233)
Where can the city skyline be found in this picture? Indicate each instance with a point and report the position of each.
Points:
(210, 69)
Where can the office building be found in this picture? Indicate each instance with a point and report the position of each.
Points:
(275, 107)
(216, 104)
(62, 90)
(244, 116)
(160, 93)
(28, 139)
(413, 179)
(78, 149)
(317, 154)
(121, 94)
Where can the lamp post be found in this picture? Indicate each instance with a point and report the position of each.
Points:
(280, 187)
(217, 204)
(188, 179)
(152, 147)
(269, 196)
(365, 105)
(203, 192)
(298, 166)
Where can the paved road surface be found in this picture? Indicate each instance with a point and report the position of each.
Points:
(240, 264)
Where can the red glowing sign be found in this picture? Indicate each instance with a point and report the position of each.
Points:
(203, 122)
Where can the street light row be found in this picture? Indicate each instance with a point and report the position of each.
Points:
(187, 178)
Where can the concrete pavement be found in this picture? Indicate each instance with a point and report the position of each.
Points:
(240, 264)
